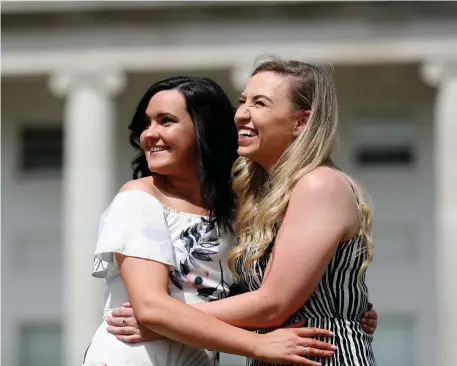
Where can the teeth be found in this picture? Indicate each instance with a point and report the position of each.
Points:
(246, 132)
(157, 148)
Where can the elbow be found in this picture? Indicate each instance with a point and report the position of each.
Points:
(276, 317)
(150, 313)
(274, 314)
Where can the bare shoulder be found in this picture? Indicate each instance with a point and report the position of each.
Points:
(145, 184)
(328, 192)
(323, 183)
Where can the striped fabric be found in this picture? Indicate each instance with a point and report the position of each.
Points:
(337, 304)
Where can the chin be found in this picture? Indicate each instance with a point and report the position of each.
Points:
(157, 169)
(245, 151)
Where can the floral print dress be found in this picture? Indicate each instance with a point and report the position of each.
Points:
(194, 248)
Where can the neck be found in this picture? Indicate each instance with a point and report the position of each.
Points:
(268, 165)
(267, 160)
(188, 188)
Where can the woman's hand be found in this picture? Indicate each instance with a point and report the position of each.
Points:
(293, 344)
(369, 320)
(125, 327)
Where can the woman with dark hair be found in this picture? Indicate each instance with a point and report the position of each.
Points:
(164, 240)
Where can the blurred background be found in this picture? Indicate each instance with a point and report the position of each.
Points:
(72, 73)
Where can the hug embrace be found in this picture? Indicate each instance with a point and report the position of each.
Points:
(236, 230)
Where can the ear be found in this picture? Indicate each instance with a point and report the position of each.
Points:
(302, 120)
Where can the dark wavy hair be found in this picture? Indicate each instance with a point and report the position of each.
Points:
(212, 114)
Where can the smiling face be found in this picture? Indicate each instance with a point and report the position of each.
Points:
(169, 140)
(265, 119)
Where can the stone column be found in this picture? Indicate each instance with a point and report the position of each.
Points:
(443, 75)
(88, 187)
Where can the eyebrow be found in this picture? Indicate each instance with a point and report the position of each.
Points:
(258, 96)
(163, 114)
(166, 114)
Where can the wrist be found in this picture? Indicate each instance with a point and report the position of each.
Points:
(253, 343)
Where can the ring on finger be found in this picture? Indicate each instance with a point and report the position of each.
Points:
(124, 321)
(305, 351)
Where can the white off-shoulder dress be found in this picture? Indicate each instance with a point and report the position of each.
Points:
(137, 224)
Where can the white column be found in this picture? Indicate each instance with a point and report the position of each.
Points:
(89, 167)
(444, 76)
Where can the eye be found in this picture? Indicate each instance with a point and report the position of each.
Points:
(241, 101)
(166, 121)
(260, 103)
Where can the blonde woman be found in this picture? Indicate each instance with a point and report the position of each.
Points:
(314, 267)
(303, 227)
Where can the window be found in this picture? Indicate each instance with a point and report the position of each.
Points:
(41, 345)
(41, 149)
(385, 156)
(384, 142)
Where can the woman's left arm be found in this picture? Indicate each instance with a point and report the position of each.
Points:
(317, 219)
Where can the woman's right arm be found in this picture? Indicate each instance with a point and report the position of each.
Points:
(147, 286)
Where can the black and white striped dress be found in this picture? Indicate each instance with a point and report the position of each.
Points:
(337, 304)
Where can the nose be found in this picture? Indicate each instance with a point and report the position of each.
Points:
(152, 131)
(242, 115)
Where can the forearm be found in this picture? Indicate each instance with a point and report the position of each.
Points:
(182, 323)
(252, 310)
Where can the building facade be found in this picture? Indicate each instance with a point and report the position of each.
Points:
(72, 75)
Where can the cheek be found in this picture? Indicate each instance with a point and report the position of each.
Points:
(189, 139)
(275, 135)
(182, 140)
(269, 130)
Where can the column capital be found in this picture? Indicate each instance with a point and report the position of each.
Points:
(434, 72)
(61, 82)
(239, 75)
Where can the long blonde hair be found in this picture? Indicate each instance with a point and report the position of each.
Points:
(263, 197)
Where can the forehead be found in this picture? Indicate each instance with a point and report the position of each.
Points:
(268, 83)
(167, 101)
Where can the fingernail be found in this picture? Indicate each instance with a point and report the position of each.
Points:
(334, 347)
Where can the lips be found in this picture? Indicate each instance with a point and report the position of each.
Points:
(155, 149)
(247, 133)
